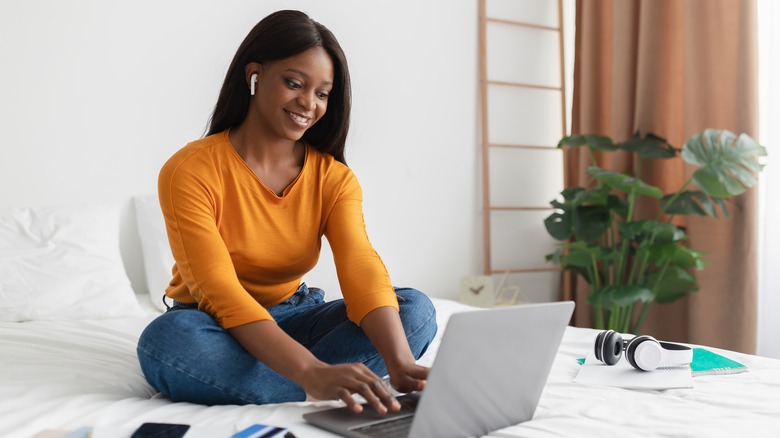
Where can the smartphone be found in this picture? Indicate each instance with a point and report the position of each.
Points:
(160, 430)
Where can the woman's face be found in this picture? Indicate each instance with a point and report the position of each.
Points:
(292, 94)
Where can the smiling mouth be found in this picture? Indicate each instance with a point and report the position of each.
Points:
(299, 119)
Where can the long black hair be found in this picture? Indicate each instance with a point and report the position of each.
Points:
(278, 36)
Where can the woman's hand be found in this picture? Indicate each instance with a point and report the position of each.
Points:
(340, 382)
(383, 326)
(408, 377)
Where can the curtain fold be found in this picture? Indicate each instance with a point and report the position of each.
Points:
(674, 68)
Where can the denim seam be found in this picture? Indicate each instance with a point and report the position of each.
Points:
(188, 374)
(431, 316)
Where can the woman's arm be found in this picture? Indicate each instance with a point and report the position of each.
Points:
(271, 345)
(383, 327)
(368, 292)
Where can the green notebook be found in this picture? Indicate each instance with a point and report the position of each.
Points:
(706, 362)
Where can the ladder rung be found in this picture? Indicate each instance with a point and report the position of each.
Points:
(521, 24)
(524, 85)
(505, 208)
(524, 146)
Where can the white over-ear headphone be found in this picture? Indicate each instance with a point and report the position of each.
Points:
(644, 352)
(252, 82)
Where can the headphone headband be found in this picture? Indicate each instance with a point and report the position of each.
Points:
(675, 354)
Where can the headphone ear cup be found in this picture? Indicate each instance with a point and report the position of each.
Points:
(631, 352)
(608, 347)
(598, 344)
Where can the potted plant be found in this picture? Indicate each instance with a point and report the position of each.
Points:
(630, 262)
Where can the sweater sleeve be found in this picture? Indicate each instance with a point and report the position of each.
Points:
(190, 201)
(362, 275)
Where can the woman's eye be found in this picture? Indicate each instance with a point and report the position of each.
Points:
(293, 84)
(322, 96)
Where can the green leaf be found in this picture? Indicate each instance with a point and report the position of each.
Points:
(728, 164)
(582, 250)
(673, 285)
(579, 258)
(558, 225)
(659, 232)
(691, 202)
(571, 193)
(676, 255)
(618, 205)
(601, 142)
(586, 222)
(722, 204)
(649, 147)
(623, 182)
(620, 296)
(590, 222)
(594, 196)
(557, 259)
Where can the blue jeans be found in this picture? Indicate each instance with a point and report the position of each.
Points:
(187, 356)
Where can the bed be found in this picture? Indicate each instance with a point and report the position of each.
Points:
(66, 365)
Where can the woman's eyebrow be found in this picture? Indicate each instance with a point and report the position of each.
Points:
(306, 75)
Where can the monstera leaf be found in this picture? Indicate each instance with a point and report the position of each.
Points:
(601, 142)
(623, 182)
(650, 146)
(728, 164)
(693, 202)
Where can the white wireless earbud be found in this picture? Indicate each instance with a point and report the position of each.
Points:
(252, 82)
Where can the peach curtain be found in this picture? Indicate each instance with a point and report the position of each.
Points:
(674, 68)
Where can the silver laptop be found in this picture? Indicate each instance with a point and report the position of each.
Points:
(488, 374)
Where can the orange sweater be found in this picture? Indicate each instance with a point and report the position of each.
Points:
(240, 248)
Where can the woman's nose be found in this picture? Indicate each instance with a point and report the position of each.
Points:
(307, 102)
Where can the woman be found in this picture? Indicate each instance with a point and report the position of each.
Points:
(245, 210)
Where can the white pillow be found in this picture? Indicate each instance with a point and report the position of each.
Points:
(63, 263)
(158, 260)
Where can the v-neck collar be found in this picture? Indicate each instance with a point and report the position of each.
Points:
(258, 181)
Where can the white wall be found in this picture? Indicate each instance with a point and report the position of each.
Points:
(96, 94)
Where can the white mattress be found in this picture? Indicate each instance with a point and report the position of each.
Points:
(69, 374)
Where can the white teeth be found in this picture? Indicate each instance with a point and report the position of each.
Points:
(298, 118)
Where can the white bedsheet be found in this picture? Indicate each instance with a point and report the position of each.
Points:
(69, 374)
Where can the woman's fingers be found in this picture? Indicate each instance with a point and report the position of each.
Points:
(367, 391)
(346, 380)
(374, 391)
(419, 372)
(385, 396)
(409, 378)
(346, 397)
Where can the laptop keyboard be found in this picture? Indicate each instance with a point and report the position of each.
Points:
(395, 428)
